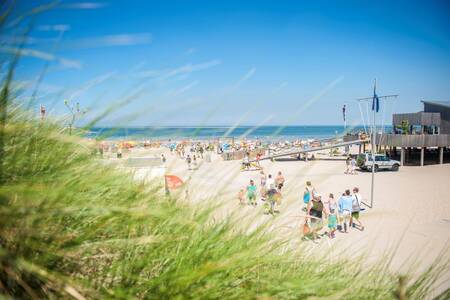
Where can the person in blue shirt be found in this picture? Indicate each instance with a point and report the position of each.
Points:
(345, 208)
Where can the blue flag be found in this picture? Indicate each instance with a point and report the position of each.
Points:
(375, 101)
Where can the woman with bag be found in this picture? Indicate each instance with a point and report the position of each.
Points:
(315, 211)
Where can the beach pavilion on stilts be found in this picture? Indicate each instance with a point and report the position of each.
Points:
(422, 137)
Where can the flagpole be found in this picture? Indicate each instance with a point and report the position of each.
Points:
(375, 107)
(347, 148)
(373, 144)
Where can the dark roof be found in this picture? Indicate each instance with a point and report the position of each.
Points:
(439, 103)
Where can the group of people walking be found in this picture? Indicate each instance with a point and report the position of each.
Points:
(341, 215)
(269, 191)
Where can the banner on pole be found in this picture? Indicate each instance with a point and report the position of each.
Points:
(375, 100)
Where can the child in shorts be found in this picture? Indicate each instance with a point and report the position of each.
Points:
(251, 193)
(241, 196)
(332, 223)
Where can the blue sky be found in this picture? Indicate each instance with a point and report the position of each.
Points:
(247, 62)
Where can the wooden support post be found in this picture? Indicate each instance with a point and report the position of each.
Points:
(422, 156)
(441, 155)
(402, 156)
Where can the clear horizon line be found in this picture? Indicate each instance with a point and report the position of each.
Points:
(227, 126)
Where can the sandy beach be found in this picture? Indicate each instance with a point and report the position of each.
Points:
(410, 217)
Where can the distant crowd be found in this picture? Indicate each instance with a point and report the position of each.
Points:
(193, 152)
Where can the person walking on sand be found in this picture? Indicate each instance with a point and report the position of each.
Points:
(315, 210)
(270, 183)
(347, 165)
(258, 158)
(356, 208)
(271, 191)
(246, 162)
(329, 204)
(353, 166)
(263, 180)
(332, 223)
(251, 193)
(308, 194)
(345, 204)
(194, 161)
(188, 160)
(241, 196)
(330, 209)
(279, 181)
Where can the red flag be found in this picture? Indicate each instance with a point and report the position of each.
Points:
(173, 182)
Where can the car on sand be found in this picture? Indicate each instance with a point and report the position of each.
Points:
(382, 162)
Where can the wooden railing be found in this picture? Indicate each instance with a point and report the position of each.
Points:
(419, 140)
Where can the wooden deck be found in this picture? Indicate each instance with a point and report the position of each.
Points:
(420, 140)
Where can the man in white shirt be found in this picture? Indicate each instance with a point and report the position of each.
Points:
(246, 162)
(271, 191)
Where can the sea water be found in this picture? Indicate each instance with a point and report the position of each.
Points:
(222, 132)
